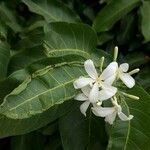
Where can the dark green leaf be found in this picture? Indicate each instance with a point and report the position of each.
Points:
(4, 59)
(79, 132)
(145, 24)
(133, 134)
(127, 29)
(112, 12)
(51, 10)
(25, 142)
(9, 18)
(72, 39)
(48, 87)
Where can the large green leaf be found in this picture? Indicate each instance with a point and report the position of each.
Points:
(133, 134)
(112, 12)
(22, 126)
(4, 59)
(48, 87)
(51, 10)
(68, 38)
(145, 24)
(79, 132)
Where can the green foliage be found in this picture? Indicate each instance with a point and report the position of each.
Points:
(145, 25)
(43, 45)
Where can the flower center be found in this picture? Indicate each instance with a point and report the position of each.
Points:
(99, 81)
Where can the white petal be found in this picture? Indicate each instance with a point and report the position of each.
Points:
(127, 80)
(123, 117)
(111, 79)
(86, 90)
(81, 82)
(94, 93)
(107, 93)
(124, 67)
(109, 71)
(111, 118)
(84, 107)
(90, 69)
(81, 97)
(103, 111)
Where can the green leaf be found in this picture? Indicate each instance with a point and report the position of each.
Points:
(73, 39)
(145, 24)
(79, 132)
(48, 87)
(11, 82)
(127, 29)
(112, 12)
(29, 49)
(133, 134)
(22, 126)
(8, 17)
(51, 10)
(4, 59)
(104, 37)
(25, 142)
(3, 31)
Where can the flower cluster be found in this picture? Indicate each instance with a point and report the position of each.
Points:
(97, 88)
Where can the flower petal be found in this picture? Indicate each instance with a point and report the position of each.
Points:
(107, 92)
(81, 82)
(111, 118)
(94, 93)
(124, 67)
(123, 117)
(86, 90)
(90, 69)
(84, 107)
(103, 111)
(81, 97)
(127, 80)
(109, 71)
(111, 79)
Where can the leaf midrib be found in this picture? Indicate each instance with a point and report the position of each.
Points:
(28, 100)
(68, 49)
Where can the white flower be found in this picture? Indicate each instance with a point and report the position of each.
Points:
(84, 97)
(103, 81)
(126, 78)
(110, 113)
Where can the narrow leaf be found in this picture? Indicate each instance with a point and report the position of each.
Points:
(112, 12)
(4, 59)
(145, 24)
